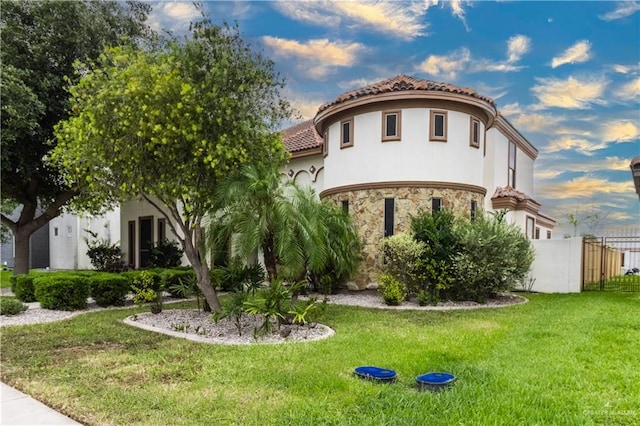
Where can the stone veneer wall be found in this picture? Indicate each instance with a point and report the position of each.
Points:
(366, 207)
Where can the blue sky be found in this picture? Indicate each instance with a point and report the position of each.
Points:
(566, 74)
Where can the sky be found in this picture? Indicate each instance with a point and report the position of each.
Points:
(566, 74)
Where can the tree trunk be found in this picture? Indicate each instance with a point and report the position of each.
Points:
(22, 253)
(270, 261)
(202, 274)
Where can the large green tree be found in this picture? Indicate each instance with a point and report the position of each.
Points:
(167, 124)
(296, 232)
(41, 40)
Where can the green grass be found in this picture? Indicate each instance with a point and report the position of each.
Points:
(4, 279)
(559, 359)
(619, 283)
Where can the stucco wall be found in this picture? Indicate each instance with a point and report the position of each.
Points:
(414, 157)
(557, 266)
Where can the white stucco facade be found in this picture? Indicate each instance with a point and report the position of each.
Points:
(68, 235)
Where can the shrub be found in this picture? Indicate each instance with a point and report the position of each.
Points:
(133, 275)
(393, 292)
(104, 256)
(173, 278)
(401, 253)
(147, 290)
(22, 287)
(495, 256)
(165, 254)
(238, 276)
(11, 306)
(109, 289)
(62, 291)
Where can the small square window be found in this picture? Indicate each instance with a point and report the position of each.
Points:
(438, 126)
(474, 133)
(391, 126)
(346, 133)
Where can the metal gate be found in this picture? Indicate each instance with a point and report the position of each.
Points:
(611, 264)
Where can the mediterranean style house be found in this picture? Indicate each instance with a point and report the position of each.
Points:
(398, 146)
(388, 150)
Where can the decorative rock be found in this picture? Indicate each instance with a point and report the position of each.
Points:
(372, 286)
(351, 285)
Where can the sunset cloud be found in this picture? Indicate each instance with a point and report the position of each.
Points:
(579, 52)
(397, 19)
(569, 143)
(621, 131)
(446, 66)
(584, 186)
(571, 93)
(317, 58)
(630, 91)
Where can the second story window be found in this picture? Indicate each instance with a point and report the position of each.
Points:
(325, 144)
(391, 126)
(346, 133)
(511, 178)
(438, 126)
(474, 134)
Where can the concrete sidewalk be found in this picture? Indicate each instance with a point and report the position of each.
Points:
(20, 409)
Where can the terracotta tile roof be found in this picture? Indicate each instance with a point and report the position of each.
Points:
(301, 137)
(509, 192)
(401, 83)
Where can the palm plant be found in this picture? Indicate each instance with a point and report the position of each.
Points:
(296, 232)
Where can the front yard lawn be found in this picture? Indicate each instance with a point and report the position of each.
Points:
(559, 359)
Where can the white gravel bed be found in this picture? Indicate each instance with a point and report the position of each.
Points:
(372, 299)
(198, 326)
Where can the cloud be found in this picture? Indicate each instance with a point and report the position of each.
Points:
(317, 58)
(547, 174)
(536, 122)
(457, 10)
(572, 93)
(446, 66)
(630, 91)
(584, 187)
(625, 69)
(398, 19)
(174, 17)
(304, 106)
(620, 131)
(511, 109)
(569, 143)
(622, 10)
(579, 52)
(517, 46)
(359, 82)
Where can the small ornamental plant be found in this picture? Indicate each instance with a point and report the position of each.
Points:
(145, 290)
(393, 292)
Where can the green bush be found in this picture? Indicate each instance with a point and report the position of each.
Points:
(62, 291)
(109, 289)
(156, 277)
(401, 253)
(494, 257)
(165, 254)
(11, 306)
(393, 292)
(22, 287)
(104, 256)
(146, 289)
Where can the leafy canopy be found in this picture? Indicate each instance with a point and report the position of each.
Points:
(170, 122)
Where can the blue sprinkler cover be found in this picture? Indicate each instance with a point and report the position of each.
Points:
(375, 373)
(436, 378)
